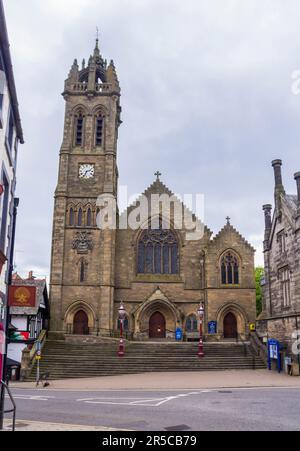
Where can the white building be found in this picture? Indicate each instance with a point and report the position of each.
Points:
(28, 316)
(11, 136)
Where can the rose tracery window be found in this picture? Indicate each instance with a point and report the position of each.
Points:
(158, 252)
(230, 269)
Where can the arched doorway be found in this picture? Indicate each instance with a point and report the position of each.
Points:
(157, 326)
(230, 326)
(81, 323)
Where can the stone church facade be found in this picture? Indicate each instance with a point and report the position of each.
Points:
(280, 318)
(159, 274)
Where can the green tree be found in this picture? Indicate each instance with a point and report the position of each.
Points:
(259, 274)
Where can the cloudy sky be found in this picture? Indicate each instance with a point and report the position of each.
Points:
(206, 96)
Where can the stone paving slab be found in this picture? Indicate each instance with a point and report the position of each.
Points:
(30, 426)
(181, 381)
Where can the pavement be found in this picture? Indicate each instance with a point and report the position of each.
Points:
(37, 426)
(186, 381)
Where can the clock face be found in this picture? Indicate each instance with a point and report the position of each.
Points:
(86, 171)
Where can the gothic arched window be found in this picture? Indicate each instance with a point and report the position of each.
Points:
(99, 130)
(80, 217)
(97, 214)
(79, 129)
(83, 266)
(230, 274)
(71, 217)
(158, 252)
(192, 324)
(89, 218)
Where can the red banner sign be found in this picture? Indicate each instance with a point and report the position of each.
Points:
(22, 296)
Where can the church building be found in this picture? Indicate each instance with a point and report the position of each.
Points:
(160, 275)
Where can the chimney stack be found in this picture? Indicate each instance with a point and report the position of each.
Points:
(279, 188)
(30, 275)
(268, 224)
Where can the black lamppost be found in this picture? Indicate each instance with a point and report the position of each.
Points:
(122, 316)
(201, 318)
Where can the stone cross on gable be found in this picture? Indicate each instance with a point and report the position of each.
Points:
(157, 175)
(228, 220)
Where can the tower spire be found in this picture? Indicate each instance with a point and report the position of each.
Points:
(97, 50)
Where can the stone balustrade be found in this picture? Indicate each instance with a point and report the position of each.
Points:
(83, 87)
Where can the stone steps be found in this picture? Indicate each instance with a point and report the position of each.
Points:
(67, 360)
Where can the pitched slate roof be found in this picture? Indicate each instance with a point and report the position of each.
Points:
(292, 202)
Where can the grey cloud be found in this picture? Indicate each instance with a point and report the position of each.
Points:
(206, 99)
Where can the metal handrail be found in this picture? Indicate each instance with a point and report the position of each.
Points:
(148, 330)
(42, 339)
(14, 410)
(240, 339)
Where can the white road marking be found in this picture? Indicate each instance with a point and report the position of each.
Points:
(141, 402)
(34, 398)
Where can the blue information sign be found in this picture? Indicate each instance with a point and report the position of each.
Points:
(212, 327)
(179, 334)
(274, 354)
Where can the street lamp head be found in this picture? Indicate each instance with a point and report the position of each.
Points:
(122, 311)
(201, 310)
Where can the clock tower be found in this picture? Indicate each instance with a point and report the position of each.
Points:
(83, 257)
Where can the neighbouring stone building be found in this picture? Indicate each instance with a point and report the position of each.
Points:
(280, 318)
(159, 274)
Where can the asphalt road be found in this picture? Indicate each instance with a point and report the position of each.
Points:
(213, 410)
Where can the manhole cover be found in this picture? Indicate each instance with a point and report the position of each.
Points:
(181, 427)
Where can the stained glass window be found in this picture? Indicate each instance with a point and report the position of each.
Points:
(89, 218)
(83, 271)
(80, 216)
(192, 324)
(158, 252)
(230, 270)
(71, 221)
